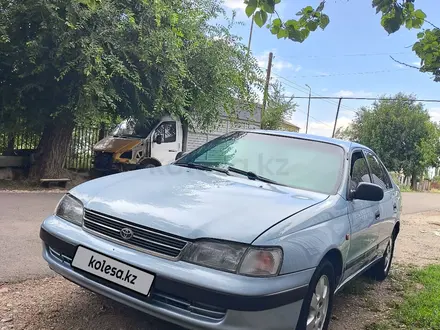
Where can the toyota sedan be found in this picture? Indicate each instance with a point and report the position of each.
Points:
(253, 230)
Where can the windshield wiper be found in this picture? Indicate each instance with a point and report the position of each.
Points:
(253, 176)
(203, 167)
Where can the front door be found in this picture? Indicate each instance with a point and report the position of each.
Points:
(166, 151)
(388, 205)
(363, 216)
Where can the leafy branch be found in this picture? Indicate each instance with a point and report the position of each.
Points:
(294, 29)
(395, 14)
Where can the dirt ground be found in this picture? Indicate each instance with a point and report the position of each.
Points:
(55, 303)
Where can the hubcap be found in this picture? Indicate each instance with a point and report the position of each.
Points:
(387, 256)
(319, 304)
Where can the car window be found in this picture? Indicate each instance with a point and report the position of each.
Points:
(167, 130)
(299, 163)
(359, 171)
(380, 177)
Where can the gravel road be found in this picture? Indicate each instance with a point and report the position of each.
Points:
(31, 298)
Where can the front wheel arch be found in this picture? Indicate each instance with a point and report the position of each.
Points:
(335, 257)
(150, 161)
(396, 230)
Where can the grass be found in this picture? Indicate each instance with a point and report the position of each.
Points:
(421, 306)
(405, 188)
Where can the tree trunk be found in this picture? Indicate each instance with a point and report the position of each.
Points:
(414, 181)
(52, 150)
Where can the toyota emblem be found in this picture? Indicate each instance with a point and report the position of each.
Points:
(126, 233)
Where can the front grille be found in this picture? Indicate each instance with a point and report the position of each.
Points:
(103, 160)
(205, 310)
(144, 238)
(59, 255)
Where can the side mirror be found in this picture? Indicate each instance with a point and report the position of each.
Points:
(158, 139)
(368, 192)
(180, 154)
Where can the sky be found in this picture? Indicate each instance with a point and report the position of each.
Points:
(350, 58)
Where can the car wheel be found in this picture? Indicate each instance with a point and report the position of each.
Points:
(318, 303)
(146, 164)
(382, 268)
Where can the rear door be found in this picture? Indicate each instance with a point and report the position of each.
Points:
(363, 216)
(388, 205)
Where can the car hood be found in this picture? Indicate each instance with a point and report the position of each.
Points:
(116, 144)
(193, 203)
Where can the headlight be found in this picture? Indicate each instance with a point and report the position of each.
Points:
(235, 258)
(262, 262)
(71, 209)
(215, 255)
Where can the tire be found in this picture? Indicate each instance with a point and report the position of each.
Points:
(146, 164)
(324, 274)
(381, 269)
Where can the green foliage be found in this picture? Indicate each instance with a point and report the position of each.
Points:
(85, 60)
(400, 131)
(427, 49)
(298, 30)
(395, 14)
(421, 308)
(278, 108)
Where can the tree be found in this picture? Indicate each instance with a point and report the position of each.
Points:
(395, 14)
(278, 108)
(64, 62)
(400, 130)
(343, 133)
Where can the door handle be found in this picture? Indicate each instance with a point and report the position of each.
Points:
(377, 215)
(171, 150)
(395, 207)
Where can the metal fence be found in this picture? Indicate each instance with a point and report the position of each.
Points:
(79, 154)
(18, 143)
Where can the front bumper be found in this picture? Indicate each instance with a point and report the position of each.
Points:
(188, 295)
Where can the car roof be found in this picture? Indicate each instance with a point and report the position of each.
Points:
(346, 145)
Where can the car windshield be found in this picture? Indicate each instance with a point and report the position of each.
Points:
(133, 128)
(299, 163)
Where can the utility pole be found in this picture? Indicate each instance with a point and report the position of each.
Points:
(308, 108)
(266, 86)
(250, 35)
(336, 119)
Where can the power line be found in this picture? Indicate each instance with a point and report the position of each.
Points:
(305, 91)
(317, 120)
(351, 73)
(361, 98)
(348, 55)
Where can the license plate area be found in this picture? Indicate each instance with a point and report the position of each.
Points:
(113, 270)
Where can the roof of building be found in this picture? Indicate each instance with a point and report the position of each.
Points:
(252, 115)
(288, 123)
